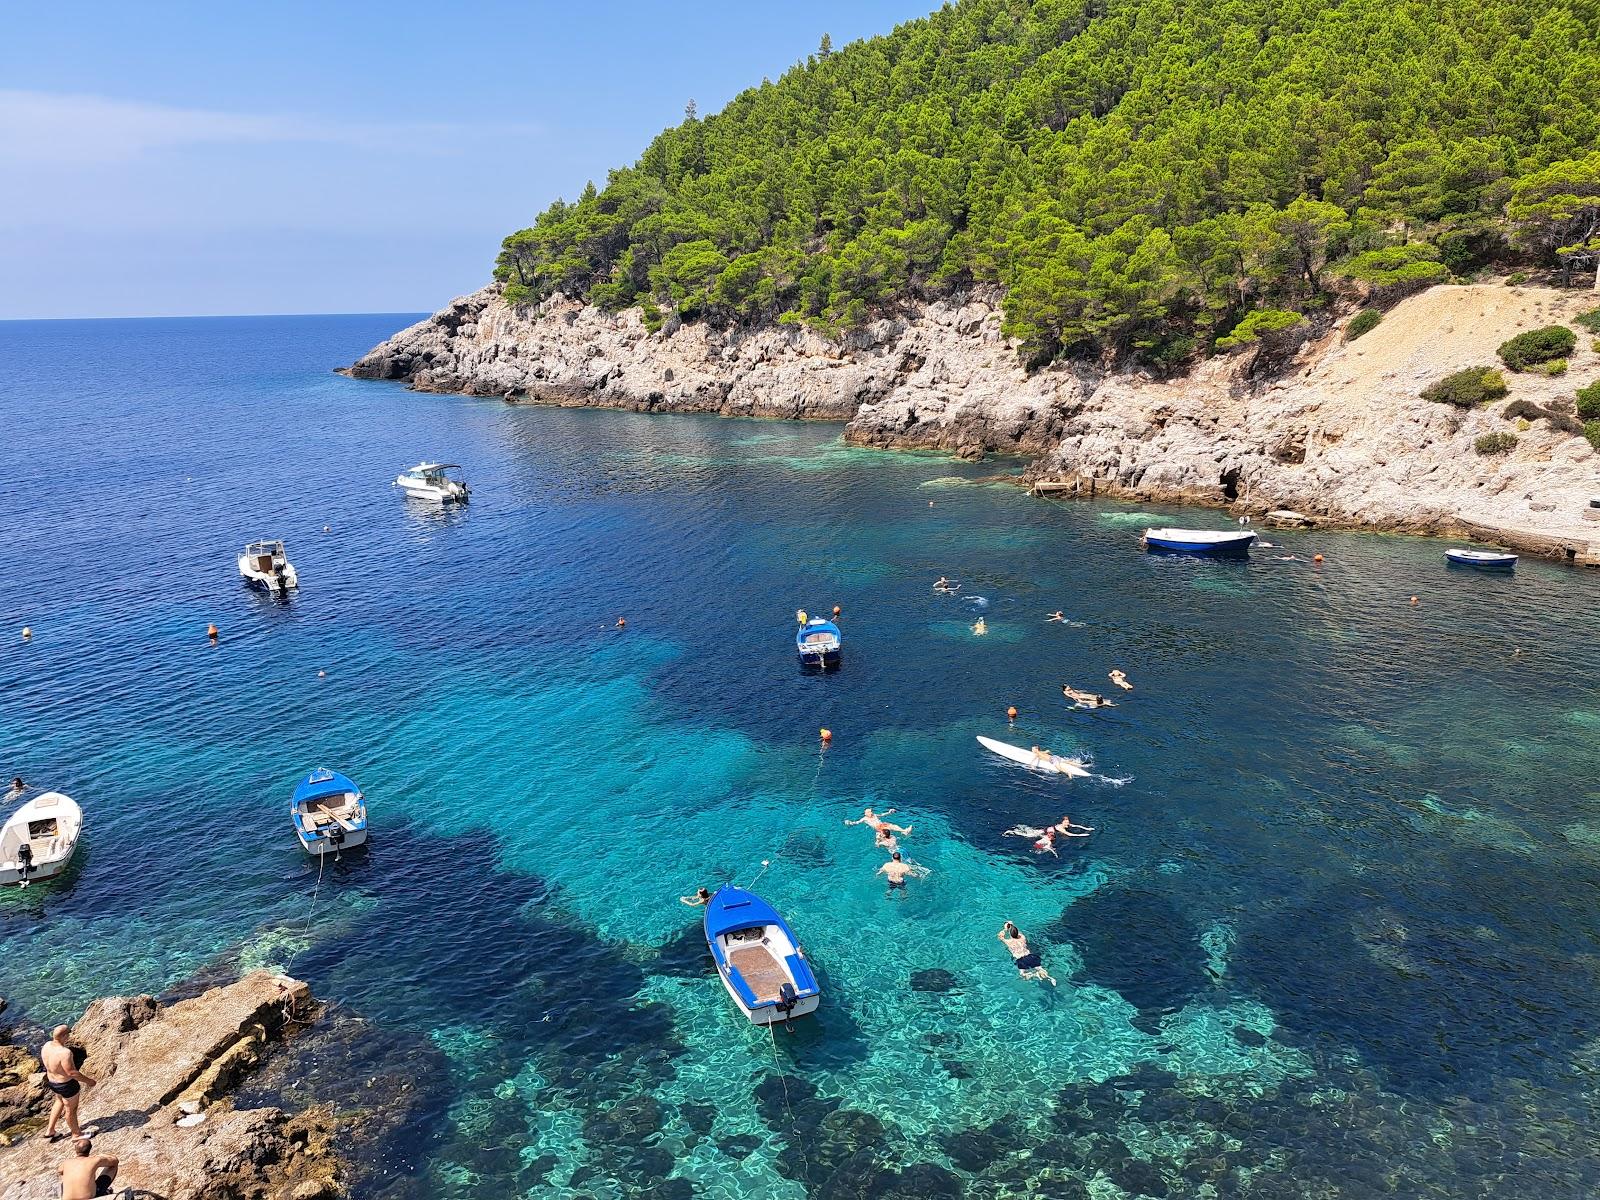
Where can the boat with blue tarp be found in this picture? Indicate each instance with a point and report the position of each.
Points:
(817, 641)
(758, 958)
(1213, 543)
(329, 813)
(1481, 560)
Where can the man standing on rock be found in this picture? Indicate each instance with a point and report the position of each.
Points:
(87, 1174)
(64, 1081)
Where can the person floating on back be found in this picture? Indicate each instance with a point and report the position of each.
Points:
(86, 1174)
(64, 1081)
(876, 823)
(1121, 680)
(1085, 699)
(1028, 964)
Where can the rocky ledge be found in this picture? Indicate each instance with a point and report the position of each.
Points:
(164, 1104)
(1333, 430)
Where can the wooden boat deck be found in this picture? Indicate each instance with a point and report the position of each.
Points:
(761, 971)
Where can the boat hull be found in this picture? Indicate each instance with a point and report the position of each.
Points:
(316, 847)
(271, 584)
(1175, 542)
(820, 658)
(50, 825)
(758, 958)
(769, 1015)
(433, 494)
(1504, 563)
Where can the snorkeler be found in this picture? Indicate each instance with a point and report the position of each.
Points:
(1028, 964)
(1085, 699)
(701, 896)
(876, 823)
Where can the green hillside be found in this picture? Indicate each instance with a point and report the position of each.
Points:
(1142, 177)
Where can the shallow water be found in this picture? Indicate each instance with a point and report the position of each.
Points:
(1333, 935)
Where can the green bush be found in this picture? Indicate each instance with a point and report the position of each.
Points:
(1556, 366)
(1468, 388)
(1595, 345)
(1591, 430)
(1363, 322)
(1523, 424)
(1262, 320)
(1416, 262)
(1589, 320)
(1495, 443)
(1517, 277)
(1537, 346)
(1589, 401)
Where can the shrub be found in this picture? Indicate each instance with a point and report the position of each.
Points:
(1556, 366)
(1523, 425)
(1595, 345)
(651, 315)
(1362, 322)
(1517, 277)
(1523, 409)
(1495, 443)
(1537, 346)
(1466, 389)
(1589, 401)
(1262, 320)
(1591, 430)
(1589, 320)
(1565, 423)
(1414, 263)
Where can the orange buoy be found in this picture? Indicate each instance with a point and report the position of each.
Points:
(211, 632)
(1011, 713)
(622, 622)
(1316, 558)
(837, 610)
(827, 736)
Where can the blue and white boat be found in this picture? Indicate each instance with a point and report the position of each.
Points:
(817, 642)
(329, 813)
(1481, 560)
(1214, 543)
(760, 963)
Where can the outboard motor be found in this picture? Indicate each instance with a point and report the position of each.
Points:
(24, 862)
(787, 999)
(336, 840)
(282, 577)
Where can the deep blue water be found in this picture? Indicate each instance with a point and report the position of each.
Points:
(1333, 934)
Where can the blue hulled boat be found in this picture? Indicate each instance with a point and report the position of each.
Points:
(1481, 560)
(328, 812)
(758, 958)
(1213, 543)
(817, 642)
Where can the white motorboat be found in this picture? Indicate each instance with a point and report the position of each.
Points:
(434, 481)
(1483, 560)
(758, 958)
(38, 840)
(266, 566)
(328, 812)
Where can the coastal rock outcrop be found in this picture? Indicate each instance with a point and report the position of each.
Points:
(1338, 431)
(163, 1105)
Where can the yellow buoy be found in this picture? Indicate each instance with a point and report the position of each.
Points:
(827, 736)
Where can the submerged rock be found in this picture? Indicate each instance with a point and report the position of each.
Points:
(934, 979)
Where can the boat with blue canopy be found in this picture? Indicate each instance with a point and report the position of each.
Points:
(329, 813)
(1481, 560)
(817, 641)
(759, 960)
(1212, 543)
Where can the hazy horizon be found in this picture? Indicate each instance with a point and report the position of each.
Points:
(181, 160)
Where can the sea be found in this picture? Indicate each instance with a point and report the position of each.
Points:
(1333, 933)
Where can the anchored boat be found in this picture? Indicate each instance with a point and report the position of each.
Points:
(265, 565)
(1482, 560)
(328, 813)
(434, 481)
(1214, 543)
(38, 840)
(757, 957)
(817, 641)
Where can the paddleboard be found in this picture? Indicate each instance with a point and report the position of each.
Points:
(1018, 755)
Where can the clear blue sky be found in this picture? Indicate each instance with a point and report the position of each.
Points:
(338, 156)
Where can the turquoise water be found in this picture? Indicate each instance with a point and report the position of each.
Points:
(1333, 934)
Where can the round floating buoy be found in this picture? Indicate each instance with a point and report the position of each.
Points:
(827, 736)
(27, 632)
(325, 529)
(211, 632)
(1011, 713)
(622, 622)
(322, 674)
(800, 615)
(1316, 558)
(837, 610)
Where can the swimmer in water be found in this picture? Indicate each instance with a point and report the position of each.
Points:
(1121, 680)
(1065, 828)
(897, 871)
(17, 788)
(1028, 964)
(1043, 839)
(980, 628)
(884, 840)
(701, 896)
(876, 823)
(1085, 699)
(1058, 615)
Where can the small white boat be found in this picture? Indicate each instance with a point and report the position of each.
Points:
(328, 813)
(1218, 543)
(1482, 560)
(38, 840)
(433, 481)
(265, 565)
(1050, 764)
(758, 959)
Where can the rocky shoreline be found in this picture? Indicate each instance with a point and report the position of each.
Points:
(165, 1105)
(1333, 430)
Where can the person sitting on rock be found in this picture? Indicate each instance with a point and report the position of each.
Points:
(86, 1174)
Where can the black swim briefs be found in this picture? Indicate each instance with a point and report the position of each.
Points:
(1028, 961)
(66, 1089)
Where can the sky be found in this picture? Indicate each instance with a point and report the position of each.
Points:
(177, 159)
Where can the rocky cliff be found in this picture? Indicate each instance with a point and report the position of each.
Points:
(164, 1106)
(1336, 431)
